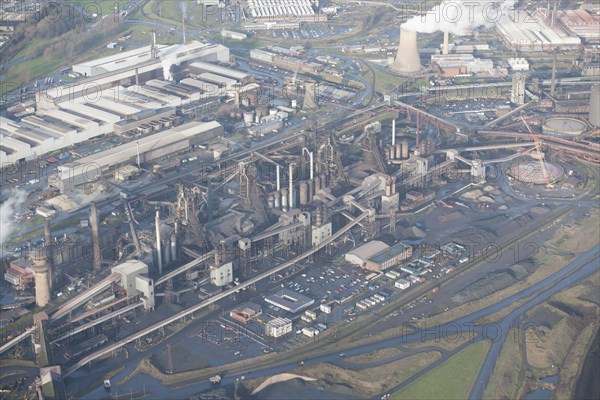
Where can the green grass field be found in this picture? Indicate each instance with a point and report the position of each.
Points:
(451, 380)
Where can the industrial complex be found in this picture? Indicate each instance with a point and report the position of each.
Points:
(285, 186)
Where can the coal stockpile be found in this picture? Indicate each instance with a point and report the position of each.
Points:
(491, 284)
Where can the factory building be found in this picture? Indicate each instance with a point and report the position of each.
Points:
(126, 69)
(534, 34)
(221, 275)
(283, 10)
(268, 26)
(278, 327)
(198, 67)
(289, 300)
(286, 61)
(19, 273)
(580, 23)
(389, 258)
(518, 64)
(143, 56)
(172, 141)
(361, 255)
(464, 64)
(135, 281)
(517, 93)
(245, 312)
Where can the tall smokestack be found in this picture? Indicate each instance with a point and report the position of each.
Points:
(183, 19)
(446, 39)
(96, 238)
(158, 244)
(49, 250)
(278, 179)
(291, 189)
(407, 59)
(393, 132)
(553, 81)
(41, 275)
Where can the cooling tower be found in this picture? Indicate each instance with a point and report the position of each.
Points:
(594, 117)
(407, 59)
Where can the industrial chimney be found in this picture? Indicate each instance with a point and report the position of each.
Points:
(49, 248)
(159, 254)
(446, 45)
(41, 276)
(96, 238)
(407, 59)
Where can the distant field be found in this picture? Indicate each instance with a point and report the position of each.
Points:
(451, 380)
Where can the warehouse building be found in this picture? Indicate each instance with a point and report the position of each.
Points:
(36, 135)
(245, 312)
(282, 10)
(361, 255)
(172, 141)
(219, 80)
(289, 300)
(198, 67)
(278, 327)
(389, 258)
(227, 34)
(534, 34)
(128, 68)
(580, 23)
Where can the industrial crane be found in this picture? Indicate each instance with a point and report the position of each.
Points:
(540, 154)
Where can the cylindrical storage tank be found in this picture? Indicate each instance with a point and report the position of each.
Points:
(166, 252)
(277, 200)
(323, 181)
(563, 126)
(405, 149)
(293, 103)
(173, 247)
(303, 193)
(317, 183)
(398, 152)
(261, 111)
(248, 117)
(389, 152)
(284, 199)
(256, 119)
(271, 200)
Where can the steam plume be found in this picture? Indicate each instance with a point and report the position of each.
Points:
(7, 210)
(459, 16)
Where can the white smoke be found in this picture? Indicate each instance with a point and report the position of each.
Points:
(459, 16)
(169, 58)
(7, 211)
